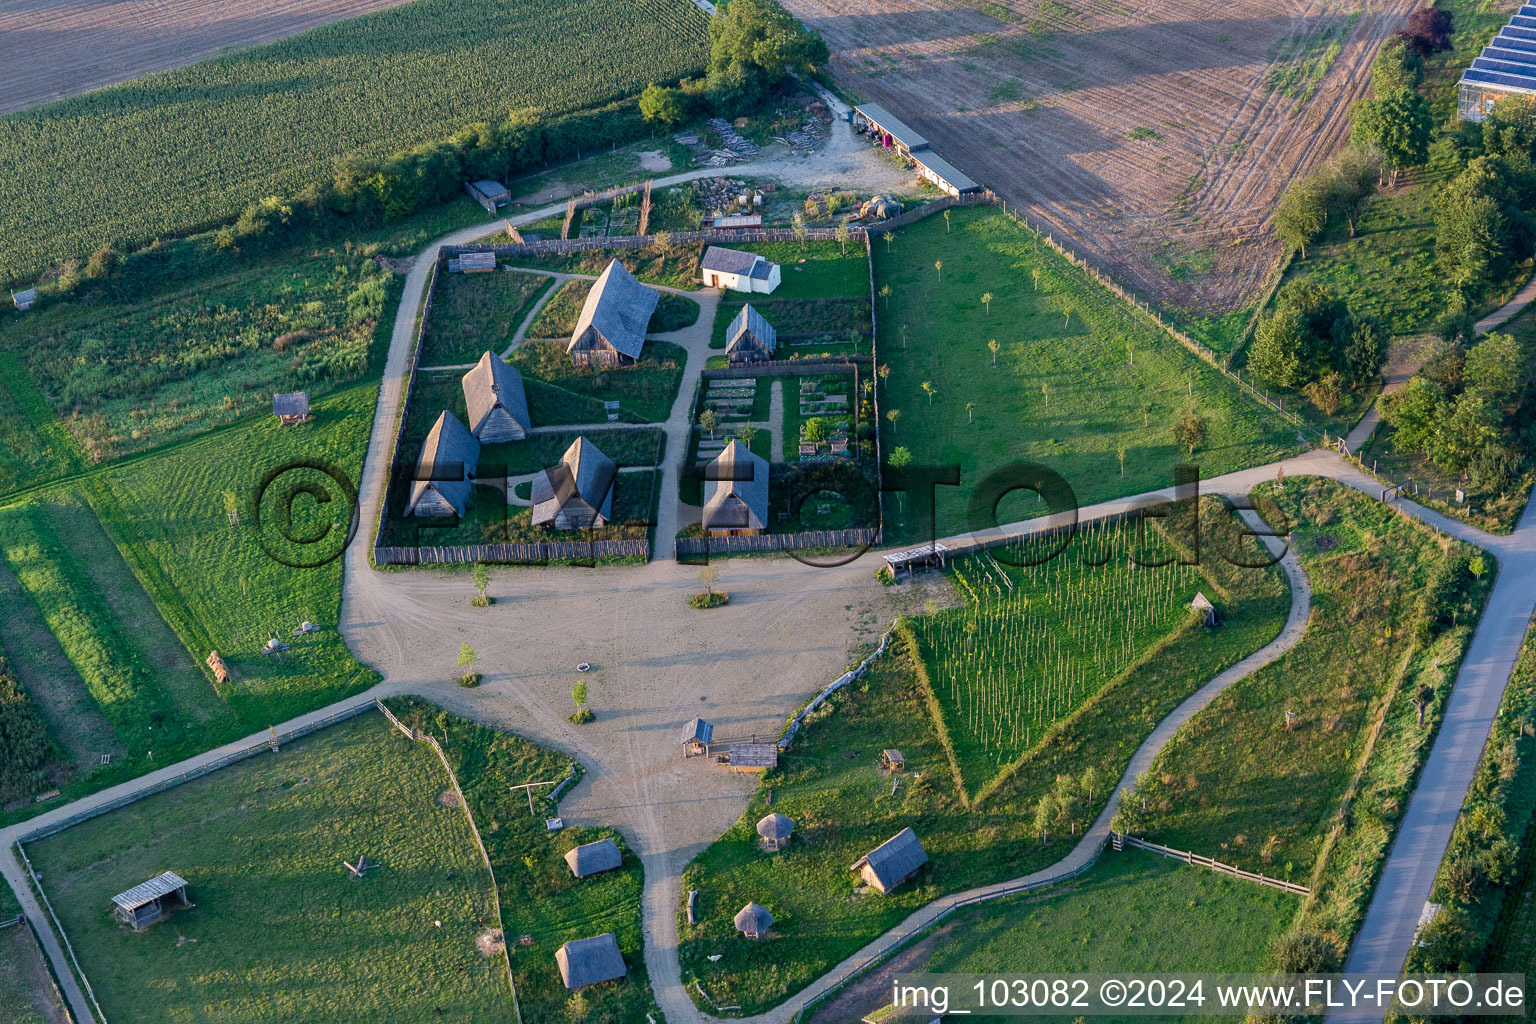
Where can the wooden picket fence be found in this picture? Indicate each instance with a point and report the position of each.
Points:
(1119, 841)
(512, 554)
(766, 542)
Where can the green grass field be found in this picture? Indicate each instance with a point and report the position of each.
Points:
(34, 445)
(646, 390)
(1067, 391)
(279, 931)
(539, 897)
(1238, 785)
(1134, 912)
(476, 313)
(373, 85)
(829, 783)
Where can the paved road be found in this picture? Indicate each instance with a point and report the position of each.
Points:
(1511, 309)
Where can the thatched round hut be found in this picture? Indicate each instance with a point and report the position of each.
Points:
(753, 921)
(775, 830)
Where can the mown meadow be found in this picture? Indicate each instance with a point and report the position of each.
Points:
(369, 86)
(843, 805)
(279, 930)
(539, 896)
(476, 313)
(1077, 378)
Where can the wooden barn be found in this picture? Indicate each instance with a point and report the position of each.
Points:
(578, 493)
(892, 862)
(738, 271)
(445, 471)
(146, 903)
(750, 339)
(613, 321)
(495, 401)
(752, 757)
(696, 737)
(736, 493)
(594, 858)
(291, 408)
(591, 961)
(492, 195)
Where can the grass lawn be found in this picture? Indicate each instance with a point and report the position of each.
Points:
(26, 992)
(1066, 392)
(813, 270)
(539, 897)
(279, 930)
(647, 389)
(830, 784)
(34, 446)
(1134, 912)
(801, 322)
(676, 268)
(475, 313)
(1317, 802)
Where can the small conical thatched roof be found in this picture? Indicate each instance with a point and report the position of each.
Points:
(775, 826)
(753, 919)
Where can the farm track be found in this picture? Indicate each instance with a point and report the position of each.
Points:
(52, 49)
(786, 631)
(1154, 140)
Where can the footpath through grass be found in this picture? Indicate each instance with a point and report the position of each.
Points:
(830, 784)
(539, 896)
(279, 930)
(1134, 911)
(1317, 801)
(1077, 377)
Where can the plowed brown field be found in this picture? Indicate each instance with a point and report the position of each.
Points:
(1155, 136)
(50, 49)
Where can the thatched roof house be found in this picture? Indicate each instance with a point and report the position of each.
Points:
(736, 492)
(892, 862)
(775, 830)
(753, 921)
(591, 961)
(578, 493)
(291, 407)
(147, 902)
(594, 858)
(750, 338)
(495, 401)
(445, 471)
(611, 328)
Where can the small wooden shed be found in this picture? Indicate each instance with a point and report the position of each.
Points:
(892, 761)
(752, 757)
(750, 338)
(594, 858)
(1202, 604)
(23, 300)
(147, 902)
(492, 195)
(291, 408)
(696, 737)
(775, 830)
(892, 862)
(753, 921)
(591, 961)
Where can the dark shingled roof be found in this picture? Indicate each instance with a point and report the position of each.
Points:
(736, 490)
(728, 261)
(583, 470)
(698, 731)
(292, 403)
(449, 457)
(592, 858)
(753, 919)
(750, 321)
(895, 859)
(586, 962)
(147, 892)
(620, 308)
(775, 826)
(491, 381)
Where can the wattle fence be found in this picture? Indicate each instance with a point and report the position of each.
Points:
(512, 554)
(691, 547)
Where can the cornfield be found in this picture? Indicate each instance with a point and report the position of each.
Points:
(192, 147)
(1032, 643)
